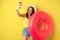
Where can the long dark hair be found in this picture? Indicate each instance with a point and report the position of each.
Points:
(32, 11)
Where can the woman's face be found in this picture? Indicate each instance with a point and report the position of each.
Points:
(29, 11)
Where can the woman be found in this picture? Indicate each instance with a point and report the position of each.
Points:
(30, 11)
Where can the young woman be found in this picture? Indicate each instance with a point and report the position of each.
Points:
(30, 11)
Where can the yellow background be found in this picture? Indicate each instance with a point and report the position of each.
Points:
(11, 24)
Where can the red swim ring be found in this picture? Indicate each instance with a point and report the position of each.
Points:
(33, 22)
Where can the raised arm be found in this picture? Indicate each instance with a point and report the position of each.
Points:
(18, 7)
(21, 15)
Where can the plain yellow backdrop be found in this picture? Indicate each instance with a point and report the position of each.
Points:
(11, 24)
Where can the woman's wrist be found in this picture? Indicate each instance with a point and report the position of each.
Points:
(18, 7)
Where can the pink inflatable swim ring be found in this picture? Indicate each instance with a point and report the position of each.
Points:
(33, 25)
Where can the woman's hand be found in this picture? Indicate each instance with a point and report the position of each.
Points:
(19, 5)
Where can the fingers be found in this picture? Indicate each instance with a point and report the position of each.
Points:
(20, 4)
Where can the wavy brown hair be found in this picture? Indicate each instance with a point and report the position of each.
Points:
(32, 11)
